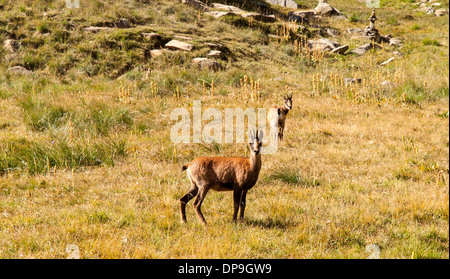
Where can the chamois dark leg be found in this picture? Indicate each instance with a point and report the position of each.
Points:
(242, 204)
(198, 203)
(237, 200)
(186, 198)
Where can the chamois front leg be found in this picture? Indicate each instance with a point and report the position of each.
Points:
(242, 204)
(237, 194)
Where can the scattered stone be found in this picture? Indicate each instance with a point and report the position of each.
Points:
(355, 31)
(207, 63)
(341, 49)
(322, 45)
(151, 36)
(219, 14)
(196, 5)
(387, 61)
(302, 17)
(156, 52)
(395, 42)
(95, 29)
(214, 54)
(324, 9)
(365, 48)
(352, 80)
(227, 8)
(284, 3)
(11, 45)
(122, 23)
(20, 70)
(332, 32)
(429, 10)
(441, 12)
(260, 17)
(183, 37)
(175, 44)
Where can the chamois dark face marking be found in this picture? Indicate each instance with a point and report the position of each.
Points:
(288, 101)
(254, 142)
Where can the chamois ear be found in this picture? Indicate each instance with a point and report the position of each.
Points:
(285, 97)
(260, 134)
(251, 135)
(290, 96)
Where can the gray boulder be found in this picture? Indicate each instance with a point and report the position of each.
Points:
(211, 64)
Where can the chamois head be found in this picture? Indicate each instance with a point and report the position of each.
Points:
(287, 101)
(255, 141)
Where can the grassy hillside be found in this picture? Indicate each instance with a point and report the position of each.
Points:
(86, 156)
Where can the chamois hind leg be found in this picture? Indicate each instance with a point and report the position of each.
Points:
(198, 203)
(186, 198)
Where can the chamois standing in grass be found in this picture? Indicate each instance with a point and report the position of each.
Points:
(235, 174)
(277, 116)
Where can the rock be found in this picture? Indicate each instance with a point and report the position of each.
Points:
(332, 32)
(183, 37)
(365, 48)
(227, 8)
(352, 80)
(196, 5)
(214, 54)
(387, 61)
(175, 44)
(207, 63)
(322, 45)
(441, 12)
(341, 49)
(20, 70)
(284, 3)
(219, 14)
(122, 23)
(151, 36)
(260, 17)
(355, 31)
(156, 52)
(324, 9)
(429, 10)
(301, 17)
(95, 29)
(395, 42)
(11, 45)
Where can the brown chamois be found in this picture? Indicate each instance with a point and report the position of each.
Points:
(235, 174)
(278, 115)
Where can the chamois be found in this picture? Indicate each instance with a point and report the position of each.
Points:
(278, 115)
(237, 174)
